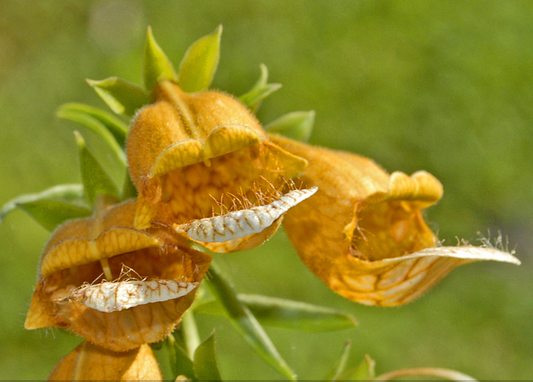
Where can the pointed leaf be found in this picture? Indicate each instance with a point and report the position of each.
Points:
(115, 126)
(93, 124)
(337, 371)
(121, 96)
(272, 311)
(51, 213)
(259, 91)
(200, 63)
(180, 363)
(365, 371)
(63, 192)
(246, 324)
(253, 98)
(94, 178)
(297, 125)
(205, 361)
(263, 77)
(156, 66)
(426, 372)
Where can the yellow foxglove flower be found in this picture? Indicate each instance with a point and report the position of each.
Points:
(193, 156)
(89, 362)
(363, 233)
(117, 286)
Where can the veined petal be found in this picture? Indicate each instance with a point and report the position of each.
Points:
(116, 296)
(221, 233)
(363, 233)
(396, 281)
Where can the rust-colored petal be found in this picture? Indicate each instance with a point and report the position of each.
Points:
(363, 233)
(199, 155)
(106, 251)
(89, 362)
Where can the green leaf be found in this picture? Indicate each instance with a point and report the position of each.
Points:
(365, 371)
(297, 125)
(121, 96)
(64, 192)
(205, 361)
(339, 367)
(272, 311)
(128, 188)
(259, 91)
(87, 120)
(180, 363)
(116, 127)
(433, 372)
(51, 213)
(94, 178)
(156, 66)
(200, 63)
(245, 323)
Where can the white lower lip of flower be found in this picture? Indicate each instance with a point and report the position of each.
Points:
(238, 224)
(115, 296)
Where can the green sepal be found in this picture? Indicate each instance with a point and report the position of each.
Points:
(246, 323)
(52, 213)
(277, 312)
(94, 178)
(115, 126)
(340, 365)
(200, 62)
(297, 125)
(63, 192)
(76, 113)
(121, 96)
(156, 65)
(180, 363)
(205, 361)
(365, 371)
(259, 91)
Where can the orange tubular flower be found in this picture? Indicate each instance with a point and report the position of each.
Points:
(363, 233)
(117, 286)
(90, 362)
(193, 156)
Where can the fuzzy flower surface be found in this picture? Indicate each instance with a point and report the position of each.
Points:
(195, 156)
(117, 286)
(363, 232)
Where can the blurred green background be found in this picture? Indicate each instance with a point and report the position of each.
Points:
(444, 86)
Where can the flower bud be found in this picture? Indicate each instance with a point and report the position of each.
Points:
(89, 362)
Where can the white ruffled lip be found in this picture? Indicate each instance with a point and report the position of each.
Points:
(242, 223)
(113, 296)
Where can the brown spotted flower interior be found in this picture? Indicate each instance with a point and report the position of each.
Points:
(388, 230)
(194, 156)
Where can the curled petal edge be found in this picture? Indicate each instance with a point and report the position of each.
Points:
(397, 281)
(222, 140)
